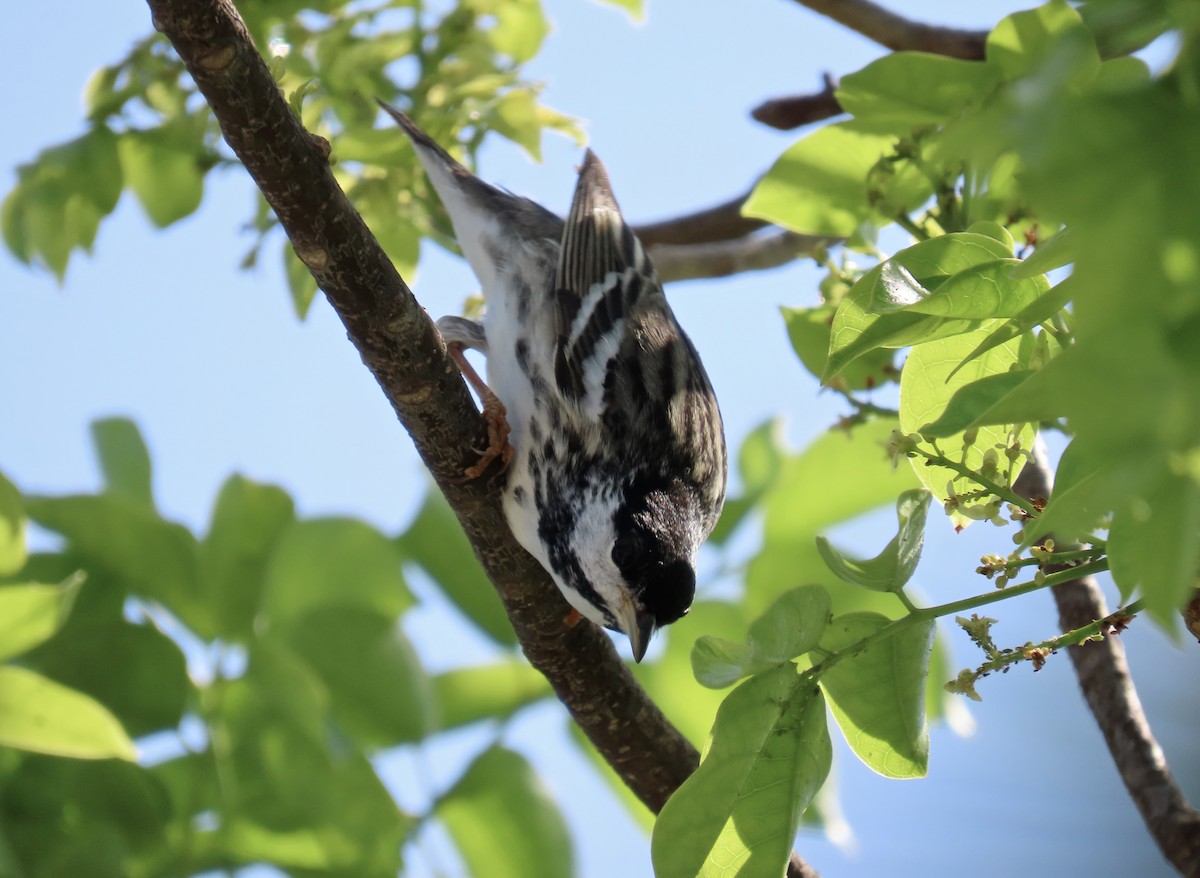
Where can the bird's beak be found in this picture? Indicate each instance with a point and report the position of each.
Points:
(638, 625)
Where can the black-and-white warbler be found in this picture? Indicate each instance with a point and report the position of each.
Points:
(617, 464)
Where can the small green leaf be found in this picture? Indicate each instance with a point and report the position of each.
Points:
(1056, 251)
(124, 460)
(39, 715)
(515, 116)
(791, 626)
(970, 404)
(162, 167)
(135, 671)
(739, 811)
(31, 613)
(12, 528)
(1024, 41)
(334, 561)
(906, 89)
(1154, 543)
(926, 388)
(520, 28)
(503, 821)
(819, 186)
(495, 691)
(891, 569)
(125, 539)
(718, 662)
(877, 695)
(873, 314)
(301, 284)
(635, 9)
(377, 687)
(810, 330)
(247, 522)
(983, 291)
(1041, 309)
(436, 542)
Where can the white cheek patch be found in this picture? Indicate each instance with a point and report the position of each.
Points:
(593, 541)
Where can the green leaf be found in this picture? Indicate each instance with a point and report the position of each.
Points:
(926, 388)
(334, 562)
(496, 691)
(810, 330)
(718, 662)
(1021, 43)
(874, 313)
(247, 523)
(301, 285)
(970, 405)
(32, 613)
(983, 291)
(1041, 309)
(38, 714)
(162, 167)
(12, 528)
(819, 186)
(61, 197)
(1056, 251)
(503, 821)
(135, 671)
(520, 28)
(739, 811)
(635, 9)
(877, 695)
(144, 553)
(906, 89)
(515, 116)
(124, 460)
(436, 542)
(1154, 543)
(790, 627)
(377, 687)
(891, 569)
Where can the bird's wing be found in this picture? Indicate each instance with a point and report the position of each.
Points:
(621, 358)
(603, 279)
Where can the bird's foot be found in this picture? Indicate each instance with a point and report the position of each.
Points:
(573, 618)
(498, 429)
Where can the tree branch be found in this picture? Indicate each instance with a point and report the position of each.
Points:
(898, 33)
(723, 258)
(407, 356)
(723, 222)
(798, 110)
(1104, 679)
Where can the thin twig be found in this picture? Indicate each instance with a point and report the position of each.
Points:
(795, 111)
(898, 33)
(1106, 684)
(768, 249)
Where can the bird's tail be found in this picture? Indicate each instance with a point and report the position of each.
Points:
(485, 218)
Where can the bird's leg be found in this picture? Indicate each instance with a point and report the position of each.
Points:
(461, 334)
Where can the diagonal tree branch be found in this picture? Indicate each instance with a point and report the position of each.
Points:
(898, 33)
(1108, 688)
(796, 111)
(402, 348)
(756, 252)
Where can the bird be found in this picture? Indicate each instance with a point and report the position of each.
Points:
(598, 406)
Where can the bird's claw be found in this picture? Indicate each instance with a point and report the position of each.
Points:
(494, 416)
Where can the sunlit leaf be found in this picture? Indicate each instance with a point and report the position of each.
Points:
(32, 613)
(495, 691)
(1022, 42)
(503, 821)
(124, 460)
(40, 715)
(877, 695)
(334, 561)
(905, 89)
(738, 812)
(894, 566)
(12, 528)
(162, 167)
(819, 186)
(247, 522)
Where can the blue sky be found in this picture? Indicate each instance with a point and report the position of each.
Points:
(221, 378)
